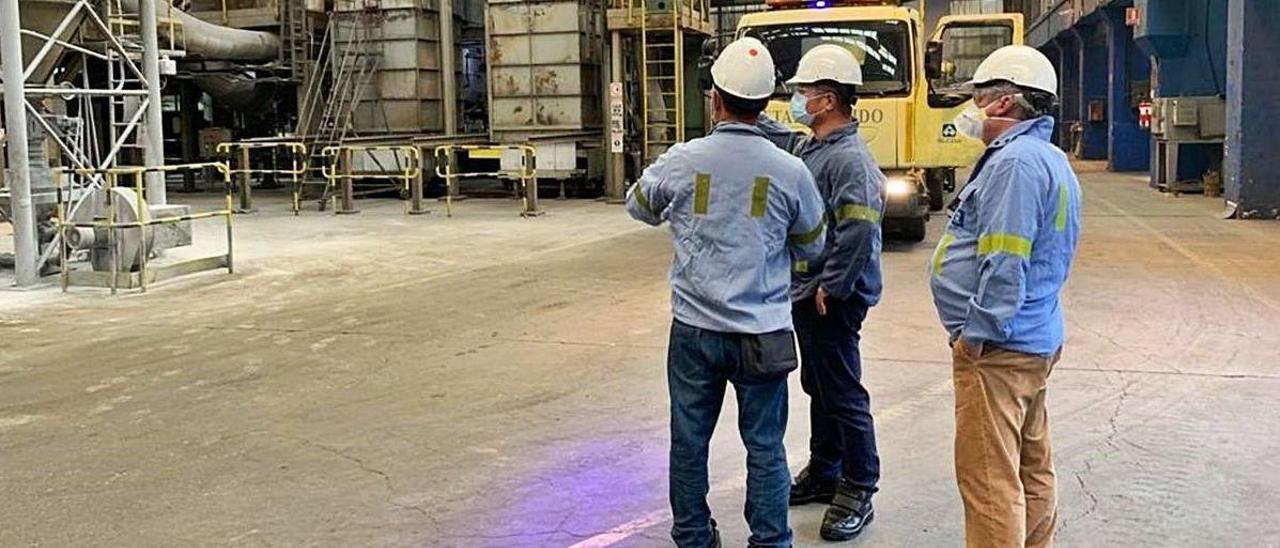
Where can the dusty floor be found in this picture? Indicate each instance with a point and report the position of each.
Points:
(488, 380)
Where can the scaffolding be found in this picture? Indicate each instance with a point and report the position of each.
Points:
(84, 33)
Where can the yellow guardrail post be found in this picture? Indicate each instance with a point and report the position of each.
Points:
(63, 271)
(529, 180)
(141, 201)
(416, 192)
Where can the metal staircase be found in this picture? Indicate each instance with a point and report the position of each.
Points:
(351, 68)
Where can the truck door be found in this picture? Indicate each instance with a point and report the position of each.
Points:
(958, 45)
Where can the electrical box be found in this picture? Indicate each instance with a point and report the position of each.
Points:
(210, 138)
(1185, 113)
(1201, 119)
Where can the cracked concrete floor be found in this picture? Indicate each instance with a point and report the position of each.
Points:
(485, 380)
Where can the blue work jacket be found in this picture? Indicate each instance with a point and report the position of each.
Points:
(741, 212)
(782, 136)
(852, 189)
(999, 268)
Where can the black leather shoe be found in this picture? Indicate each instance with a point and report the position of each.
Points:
(810, 488)
(849, 513)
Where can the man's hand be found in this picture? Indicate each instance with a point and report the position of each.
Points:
(820, 301)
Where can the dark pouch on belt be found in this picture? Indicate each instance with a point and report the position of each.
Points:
(769, 356)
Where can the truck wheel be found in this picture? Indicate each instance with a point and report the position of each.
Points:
(913, 229)
(934, 180)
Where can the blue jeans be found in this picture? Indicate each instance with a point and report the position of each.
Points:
(699, 365)
(842, 435)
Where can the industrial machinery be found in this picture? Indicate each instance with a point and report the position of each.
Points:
(1178, 122)
(544, 64)
(912, 91)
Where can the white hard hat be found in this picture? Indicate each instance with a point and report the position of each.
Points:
(744, 69)
(828, 62)
(1023, 66)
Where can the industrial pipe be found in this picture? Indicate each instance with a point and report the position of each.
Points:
(217, 42)
(153, 153)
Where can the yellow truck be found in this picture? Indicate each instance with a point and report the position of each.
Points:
(911, 92)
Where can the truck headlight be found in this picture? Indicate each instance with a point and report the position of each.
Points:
(899, 187)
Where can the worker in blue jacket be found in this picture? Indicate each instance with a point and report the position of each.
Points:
(833, 294)
(741, 211)
(996, 278)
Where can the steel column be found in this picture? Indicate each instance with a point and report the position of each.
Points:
(153, 154)
(26, 249)
(448, 68)
(1251, 164)
(615, 187)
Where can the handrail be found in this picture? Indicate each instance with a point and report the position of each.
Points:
(528, 173)
(298, 167)
(410, 176)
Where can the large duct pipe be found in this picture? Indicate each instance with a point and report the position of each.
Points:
(217, 42)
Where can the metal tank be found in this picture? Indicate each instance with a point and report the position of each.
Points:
(544, 67)
(402, 37)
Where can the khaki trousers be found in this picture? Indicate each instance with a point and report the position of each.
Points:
(1004, 467)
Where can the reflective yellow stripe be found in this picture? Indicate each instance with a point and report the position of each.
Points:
(759, 196)
(1064, 199)
(701, 193)
(857, 212)
(1012, 244)
(638, 192)
(940, 254)
(800, 267)
(806, 238)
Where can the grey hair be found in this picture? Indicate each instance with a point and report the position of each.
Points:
(1033, 102)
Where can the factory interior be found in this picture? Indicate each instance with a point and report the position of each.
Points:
(361, 272)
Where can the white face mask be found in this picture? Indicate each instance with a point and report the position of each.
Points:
(969, 122)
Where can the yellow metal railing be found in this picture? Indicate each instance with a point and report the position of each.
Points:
(237, 155)
(112, 223)
(445, 159)
(122, 24)
(339, 172)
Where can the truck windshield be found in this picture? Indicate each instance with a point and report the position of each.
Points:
(881, 46)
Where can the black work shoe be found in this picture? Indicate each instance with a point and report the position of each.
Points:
(810, 488)
(849, 512)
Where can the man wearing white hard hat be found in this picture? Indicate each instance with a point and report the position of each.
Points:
(741, 211)
(833, 294)
(996, 278)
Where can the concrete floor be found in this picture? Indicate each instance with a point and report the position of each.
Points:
(486, 380)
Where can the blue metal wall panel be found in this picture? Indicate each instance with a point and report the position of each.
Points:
(1129, 145)
(1094, 83)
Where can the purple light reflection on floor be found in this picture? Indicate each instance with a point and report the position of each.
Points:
(577, 489)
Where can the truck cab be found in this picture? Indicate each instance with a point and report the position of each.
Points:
(911, 88)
